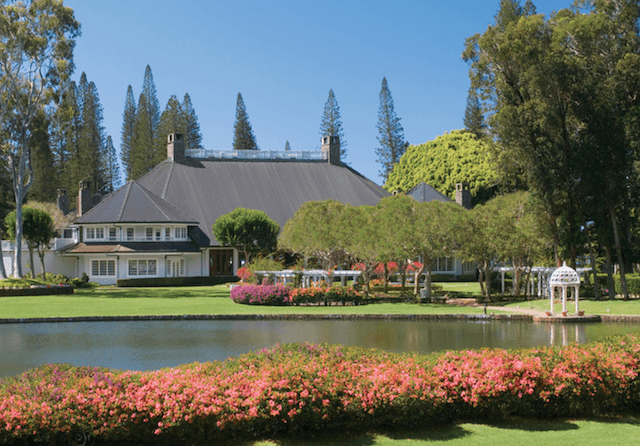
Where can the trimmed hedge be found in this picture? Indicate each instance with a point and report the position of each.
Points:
(305, 387)
(176, 281)
(37, 291)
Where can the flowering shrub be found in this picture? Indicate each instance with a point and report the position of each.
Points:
(300, 387)
(245, 274)
(261, 294)
(280, 295)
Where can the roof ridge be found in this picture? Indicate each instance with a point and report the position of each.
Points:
(166, 184)
(126, 198)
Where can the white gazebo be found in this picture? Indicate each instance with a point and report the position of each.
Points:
(564, 277)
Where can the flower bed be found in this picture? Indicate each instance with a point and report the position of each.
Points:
(282, 295)
(300, 387)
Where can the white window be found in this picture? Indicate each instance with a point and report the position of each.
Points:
(100, 233)
(91, 233)
(158, 234)
(112, 234)
(180, 233)
(143, 267)
(175, 267)
(149, 233)
(130, 233)
(167, 233)
(442, 264)
(103, 267)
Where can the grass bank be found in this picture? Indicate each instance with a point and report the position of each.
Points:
(520, 432)
(113, 301)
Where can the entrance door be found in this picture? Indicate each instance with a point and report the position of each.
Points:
(221, 262)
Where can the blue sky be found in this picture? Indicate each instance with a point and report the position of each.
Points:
(284, 56)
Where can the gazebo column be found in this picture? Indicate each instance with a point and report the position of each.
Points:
(551, 293)
(576, 292)
(564, 299)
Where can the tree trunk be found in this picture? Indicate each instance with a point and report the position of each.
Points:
(487, 279)
(616, 236)
(416, 284)
(609, 265)
(592, 258)
(386, 277)
(3, 272)
(32, 266)
(481, 279)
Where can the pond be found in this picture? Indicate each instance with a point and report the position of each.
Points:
(151, 345)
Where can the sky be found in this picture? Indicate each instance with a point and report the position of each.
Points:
(284, 57)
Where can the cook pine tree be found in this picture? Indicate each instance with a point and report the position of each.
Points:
(390, 133)
(331, 125)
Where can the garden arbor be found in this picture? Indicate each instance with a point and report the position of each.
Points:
(563, 278)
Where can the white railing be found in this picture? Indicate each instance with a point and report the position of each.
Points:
(306, 155)
(311, 276)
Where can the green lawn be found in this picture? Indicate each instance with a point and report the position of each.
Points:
(615, 431)
(590, 306)
(113, 301)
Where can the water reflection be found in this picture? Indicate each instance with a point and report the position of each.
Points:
(149, 345)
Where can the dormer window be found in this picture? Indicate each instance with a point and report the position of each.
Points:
(149, 234)
(180, 233)
(112, 234)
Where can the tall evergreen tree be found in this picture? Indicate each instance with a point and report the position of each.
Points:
(331, 124)
(391, 137)
(112, 169)
(287, 146)
(89, 162)
(473, 116)
(45, 174)
(172, 120)
(65, 128)
(145, 150)
(243, 137)
(128, 124)
(192, 135)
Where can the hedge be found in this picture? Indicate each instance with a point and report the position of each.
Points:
(306, 387)
(44, 290)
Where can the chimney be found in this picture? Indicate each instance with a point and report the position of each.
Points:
(84, 197)
(331, 146)
(63, 201)
(175, 147)
(463, 195)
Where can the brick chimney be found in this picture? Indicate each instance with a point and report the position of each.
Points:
(331, 146)
(175, 147)
(84, 197)
(63, 201)
(463, 195)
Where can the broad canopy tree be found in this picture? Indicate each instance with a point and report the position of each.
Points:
(250, 231)
(37, 39)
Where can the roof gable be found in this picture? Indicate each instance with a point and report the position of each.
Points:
(132, 203)
(425, 193)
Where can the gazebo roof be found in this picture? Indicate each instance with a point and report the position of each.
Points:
(564, 276)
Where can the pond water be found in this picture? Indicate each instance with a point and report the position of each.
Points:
(151, 345)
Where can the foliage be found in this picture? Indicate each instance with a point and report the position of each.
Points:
(306, 387)
(452, 158)
(38, 231)
(249, 230)
(473, 115)
(37, 40)
(266, 294)
(264, 264)
(191, 131)
(391, 136)
(331, 125)
(316, 230)
(243, 137)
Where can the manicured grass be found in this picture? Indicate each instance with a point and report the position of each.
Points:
(600, 432)
(590, 306)
(113, 301)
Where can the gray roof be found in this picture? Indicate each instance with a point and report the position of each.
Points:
(425, 193)
(132, 203)
(207, 189)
